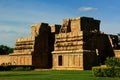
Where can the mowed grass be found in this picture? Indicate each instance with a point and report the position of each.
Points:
(51, 75)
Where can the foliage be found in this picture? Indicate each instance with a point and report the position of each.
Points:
(112, 68)
(22, 69)
(97, 71)
(5, 50)
(16, 67)
(106, 71)
(112, 61)
(117, 71)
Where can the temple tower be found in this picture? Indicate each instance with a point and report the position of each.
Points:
(70, 52)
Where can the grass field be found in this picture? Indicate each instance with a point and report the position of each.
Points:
(50, 75)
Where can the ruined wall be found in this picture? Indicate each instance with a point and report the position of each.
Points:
(22, 52)
(24, 45)
(117, 53)
(55, 29)
(77, 44)
(84, 24)
(21, 59)
(83, 35)
(75, 24)
(70, 61)
(89, 59)
(5, 59)
(99, 42)
(13, 59)
(74, 60)
(68, 41)
(89, 24)
(41, 47)
(68, 46)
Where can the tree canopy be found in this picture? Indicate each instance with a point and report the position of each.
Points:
(5, 50)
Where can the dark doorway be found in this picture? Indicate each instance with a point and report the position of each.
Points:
(60, 60)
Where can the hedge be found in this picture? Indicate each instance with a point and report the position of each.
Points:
(106, 71)
(112, 61)
(16, 68)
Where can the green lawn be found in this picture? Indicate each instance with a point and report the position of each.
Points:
(50, 75)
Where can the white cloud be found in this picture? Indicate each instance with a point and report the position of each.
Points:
(87, 9)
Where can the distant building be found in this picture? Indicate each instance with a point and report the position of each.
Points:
(77, 44)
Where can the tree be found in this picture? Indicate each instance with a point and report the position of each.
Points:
(5, 50)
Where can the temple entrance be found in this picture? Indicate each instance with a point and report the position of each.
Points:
(60, 60)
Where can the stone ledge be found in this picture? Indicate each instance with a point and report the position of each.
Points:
(29, 53)
(74, 51)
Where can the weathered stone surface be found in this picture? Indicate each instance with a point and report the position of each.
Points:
(80, 36)
(55, 28)
(4, 59)
(81, 24)
(69, 44)
(117, 53)
(77, 44)
(33, 50)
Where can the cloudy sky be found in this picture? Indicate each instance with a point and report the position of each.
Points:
(16, 16)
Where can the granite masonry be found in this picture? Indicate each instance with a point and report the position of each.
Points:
(77, 44)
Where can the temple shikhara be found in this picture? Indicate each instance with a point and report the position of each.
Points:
(77, 44)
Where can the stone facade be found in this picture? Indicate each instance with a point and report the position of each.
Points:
(81, 45)
(4, 59)
(69, 52)
(33, 50)
(77, 44)
(117, 53)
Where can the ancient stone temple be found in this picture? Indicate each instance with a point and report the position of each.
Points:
(77, 44)
(71, 49)
(80, 44)
(34, 50)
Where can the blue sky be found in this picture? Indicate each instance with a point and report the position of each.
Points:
(16, 16)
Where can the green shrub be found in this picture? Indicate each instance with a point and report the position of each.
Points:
(112, 61)
(106, 71)
(97, 71)
(117, 72)
(21, 69)
(16, 68)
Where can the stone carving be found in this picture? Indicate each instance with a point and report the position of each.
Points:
(77, 44)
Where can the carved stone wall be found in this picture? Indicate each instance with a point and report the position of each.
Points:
(77, 44)
(24, 45)
(70, 60)
(117, 53)
(33, 50)
(82, 39)
(68, 41)
(81, 24)
(70, 44)
(41, 48)
(21, 59)
(4, 59)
